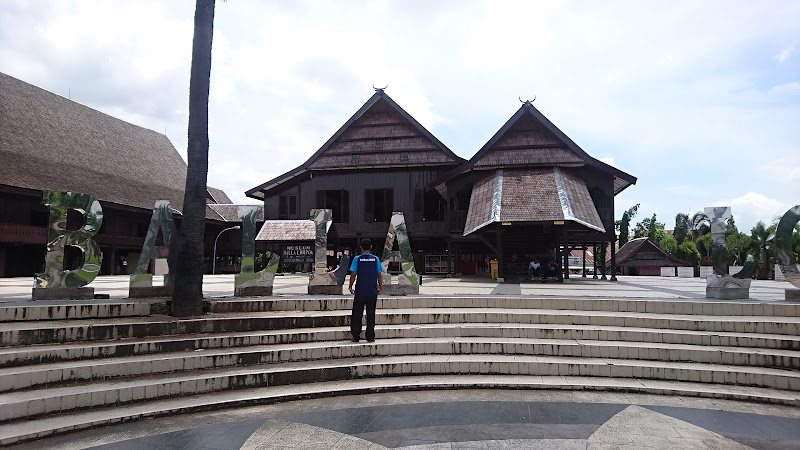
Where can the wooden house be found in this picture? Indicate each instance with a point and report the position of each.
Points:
(48, 142)
(381, 160)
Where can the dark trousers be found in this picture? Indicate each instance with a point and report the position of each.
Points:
(359, 302)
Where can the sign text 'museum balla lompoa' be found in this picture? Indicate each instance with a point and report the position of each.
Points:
(298, 254)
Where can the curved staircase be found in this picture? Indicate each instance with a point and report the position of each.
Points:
(74, 366)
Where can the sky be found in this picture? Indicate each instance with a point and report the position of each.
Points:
(700, 100)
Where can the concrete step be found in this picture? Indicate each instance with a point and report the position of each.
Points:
(36, 402)
(25, 377)
(72, 310)
(20, 431)
(70, 351)
(48, 332)
(656, 306)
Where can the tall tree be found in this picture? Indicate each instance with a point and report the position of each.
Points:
(681, 227)
(187, 297)
(761, 235)
(623, 225)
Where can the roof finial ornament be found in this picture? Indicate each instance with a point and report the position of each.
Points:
(527, 102)
(379, 88)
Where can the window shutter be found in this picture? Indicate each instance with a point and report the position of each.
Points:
(369, 198)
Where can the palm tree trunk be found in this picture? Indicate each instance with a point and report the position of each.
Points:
(187, 297)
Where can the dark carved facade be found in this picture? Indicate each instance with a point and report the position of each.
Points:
(529, 192)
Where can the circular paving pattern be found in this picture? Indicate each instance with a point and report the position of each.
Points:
(462, 419)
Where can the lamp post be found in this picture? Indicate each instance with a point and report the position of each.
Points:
(214, 261)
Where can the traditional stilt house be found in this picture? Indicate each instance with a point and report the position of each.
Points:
(529, 192)
(48, 142)
(532, 192)
(381, 160)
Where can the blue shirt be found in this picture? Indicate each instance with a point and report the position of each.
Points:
(367, 267)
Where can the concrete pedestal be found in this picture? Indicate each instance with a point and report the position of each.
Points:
(400, 289)
(150, 291)
(728, 293)
(793, 295)
(325, 289)
(82, 293)
(253, 291)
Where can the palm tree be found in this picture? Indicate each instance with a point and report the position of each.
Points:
(187, 296)
(761, 236)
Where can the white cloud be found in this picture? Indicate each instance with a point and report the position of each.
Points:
(784, 54)
(609, 160)
(749, 208)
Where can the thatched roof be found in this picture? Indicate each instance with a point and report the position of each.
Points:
(644, 252)
(531, 196)
(529, 139)
(50, 142)
(380, 134)
(287, 231)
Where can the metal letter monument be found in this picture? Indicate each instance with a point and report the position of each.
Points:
(141, 283)
(408, 280)
(248, 282)
(56, 281)
(784, 254)
(720, 284)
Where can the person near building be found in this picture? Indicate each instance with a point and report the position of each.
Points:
(535, 269)
(365, 273)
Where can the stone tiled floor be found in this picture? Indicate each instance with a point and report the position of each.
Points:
(15, 290)
(486, 419)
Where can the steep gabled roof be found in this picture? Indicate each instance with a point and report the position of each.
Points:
(644, 252)
(50, 142)
(380, 134)
(529, 139)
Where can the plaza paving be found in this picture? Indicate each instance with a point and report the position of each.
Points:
(444, 419)
(13, 290)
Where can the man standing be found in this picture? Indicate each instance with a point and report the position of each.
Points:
(366, 268)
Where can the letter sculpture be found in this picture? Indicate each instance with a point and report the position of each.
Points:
(141, 282)
(55, 281)
(720, 284)
(784, 253)
(408, 280)
(248, 282)
(322, 281)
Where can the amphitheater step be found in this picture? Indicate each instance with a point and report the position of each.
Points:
(35, 402)
(46, 332)
(65, 310)
(19, 431)
(25, 377)
(42, 354)
(655, 306)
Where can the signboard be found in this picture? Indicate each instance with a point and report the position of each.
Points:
(297, 254)
(574, 260)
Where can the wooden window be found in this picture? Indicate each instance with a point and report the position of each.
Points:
(287, 207)
(403, 156)
(338, 201)
(378, 205)
(354, 159)
(429, 205)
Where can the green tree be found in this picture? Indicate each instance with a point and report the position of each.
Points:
(641, 229)
(687, 251)
(187, 297)
(624, 223)
(704, 247)
(761, 236)
(681, 227)
(738, 245)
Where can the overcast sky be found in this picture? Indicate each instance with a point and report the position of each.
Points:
(699, 100)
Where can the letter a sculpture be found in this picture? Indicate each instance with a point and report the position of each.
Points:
(408, 280)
